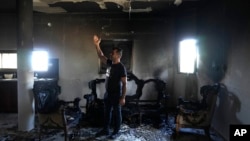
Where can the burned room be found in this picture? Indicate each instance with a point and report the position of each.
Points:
(124, 70)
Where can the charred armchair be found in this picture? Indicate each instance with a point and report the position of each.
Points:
(146, 108)
(94, 105)
(197, 114)
(54, 113)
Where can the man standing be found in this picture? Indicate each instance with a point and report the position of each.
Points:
(116, 81)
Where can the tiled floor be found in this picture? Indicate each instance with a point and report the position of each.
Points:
(9, 132)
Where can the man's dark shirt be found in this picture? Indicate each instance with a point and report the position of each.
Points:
(113, 78)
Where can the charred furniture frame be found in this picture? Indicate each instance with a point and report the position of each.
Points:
(135, 108)
(153, 109)
(197, 114)
(54, 113)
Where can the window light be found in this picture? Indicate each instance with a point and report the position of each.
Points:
(40, 60)
(188, 56)
(8, 60)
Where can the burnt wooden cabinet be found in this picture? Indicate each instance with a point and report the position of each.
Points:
(8, 94)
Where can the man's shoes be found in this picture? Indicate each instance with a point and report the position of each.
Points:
(114, 135)
(102, 133)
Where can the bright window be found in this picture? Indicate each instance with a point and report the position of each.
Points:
(8, 60)
(40, 60)
(188, 56)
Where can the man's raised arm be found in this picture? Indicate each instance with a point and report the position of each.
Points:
(100, 54)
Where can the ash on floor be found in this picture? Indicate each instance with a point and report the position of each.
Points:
(144, 132)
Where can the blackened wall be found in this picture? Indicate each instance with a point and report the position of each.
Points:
(222, 30)
(69, 38)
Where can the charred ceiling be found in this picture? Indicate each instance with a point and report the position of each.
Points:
(103, 6)
(110, 6)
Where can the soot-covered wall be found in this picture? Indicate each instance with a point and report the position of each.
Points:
(221, 28)
(69, 38)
